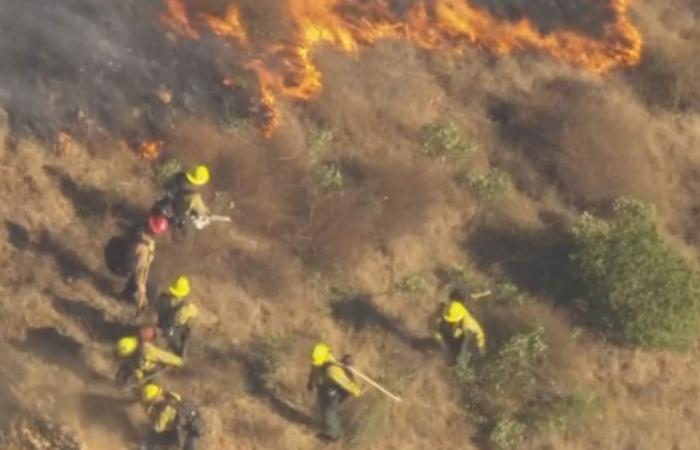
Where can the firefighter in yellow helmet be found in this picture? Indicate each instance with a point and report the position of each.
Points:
(457, 329)
(176, 313)
(174, 421)
(141, 358)
(183, 198)
(334, 384)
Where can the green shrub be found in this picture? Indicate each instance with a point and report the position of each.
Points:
(508, 294)
(488, 186)
(413, 284)
(513, 363)
(508, 433)
(443, 140)
(165, 170)
(318, 144)
(638, 285)
(328, 176)
(561, 412)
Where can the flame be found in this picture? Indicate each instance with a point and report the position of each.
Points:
(177, 20)
(288, 69)
(230, 26)
(150, 149)
(268, 101)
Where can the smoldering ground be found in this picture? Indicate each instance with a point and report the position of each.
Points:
(569, 140)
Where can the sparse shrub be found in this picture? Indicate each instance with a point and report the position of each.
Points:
(165, 170)
(508, 293)
(455, 274)
(443, 140)
(639, 286)
(508, 433)
(513, 363)
(413, 284)
(367, 422)
(270, 352)
(328, 176)
(318, 144)
(504, 383)
(236, 123)
(488, 186)
(561, 412)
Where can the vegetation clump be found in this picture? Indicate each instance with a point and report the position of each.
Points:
(443, 140)
(638, 285)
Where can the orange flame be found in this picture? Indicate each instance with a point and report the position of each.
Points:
(289, 70)
(177, 20)
(150, 150)
(268, 102)
(230, 26)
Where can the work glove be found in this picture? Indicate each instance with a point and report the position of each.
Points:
(346, 360)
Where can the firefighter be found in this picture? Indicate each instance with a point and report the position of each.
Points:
(174, 422)
(142, 359)
(183, 199)
(457, 329)
(175, 314)
(140, 285)
(334, 384)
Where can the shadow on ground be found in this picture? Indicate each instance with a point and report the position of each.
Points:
(92, 320)
(91, 202)
(359, 311)
(58, 350)
(255, 372)
(108, 412)
(537, 260)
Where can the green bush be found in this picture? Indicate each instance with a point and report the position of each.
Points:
(164, 171)
(413, 284)
(443, 140)
(329, 177)
(318, 144)
(513, 363)
(562, 411)
(488, 186)
(507, 433)
(638, 285)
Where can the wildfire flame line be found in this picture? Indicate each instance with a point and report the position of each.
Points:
(288, 68)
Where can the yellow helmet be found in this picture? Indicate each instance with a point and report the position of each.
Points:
(454, 312)
(150, 392)
(321, 354)
(127, 345)
(198, 175)
(180, 287)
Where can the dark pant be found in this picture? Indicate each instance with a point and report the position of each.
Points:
(177, 338)
(329, 401)
(172, 439)
(455, 350)
(162, 441)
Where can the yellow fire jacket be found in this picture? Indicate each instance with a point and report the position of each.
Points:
(333, 375)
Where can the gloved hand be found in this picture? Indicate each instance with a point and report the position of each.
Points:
(346, 359)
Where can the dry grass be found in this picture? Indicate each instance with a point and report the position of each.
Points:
(568, 141)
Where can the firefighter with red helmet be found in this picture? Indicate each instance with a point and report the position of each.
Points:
(140, 286)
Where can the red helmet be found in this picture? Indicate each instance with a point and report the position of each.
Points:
(158, 225)
(147, 334)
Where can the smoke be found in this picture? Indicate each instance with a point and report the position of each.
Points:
(95, 67)
(582, 16)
